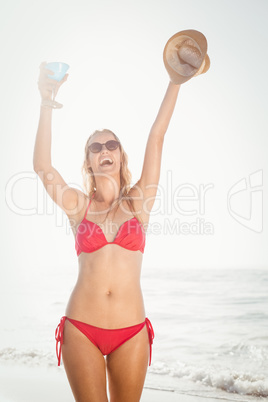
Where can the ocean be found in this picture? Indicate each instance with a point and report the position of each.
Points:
(211, 327)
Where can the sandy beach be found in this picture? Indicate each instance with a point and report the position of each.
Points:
(25, 384)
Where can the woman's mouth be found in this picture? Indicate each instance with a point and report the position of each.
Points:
(106, 161)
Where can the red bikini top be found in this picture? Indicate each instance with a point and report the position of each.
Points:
(90, 237)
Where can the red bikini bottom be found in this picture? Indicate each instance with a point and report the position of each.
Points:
(107, 340)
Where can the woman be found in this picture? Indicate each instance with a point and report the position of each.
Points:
(105, 314)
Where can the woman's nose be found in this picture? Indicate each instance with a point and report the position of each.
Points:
(103, 148)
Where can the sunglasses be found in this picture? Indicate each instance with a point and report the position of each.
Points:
(111, 145)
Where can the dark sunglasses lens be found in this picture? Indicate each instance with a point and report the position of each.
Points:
(95, 147)
(112, 145)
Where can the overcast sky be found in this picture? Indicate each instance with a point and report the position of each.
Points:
(215, 149)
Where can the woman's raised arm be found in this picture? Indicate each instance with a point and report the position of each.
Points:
(69, 199)
(148, 183)
(164, 115)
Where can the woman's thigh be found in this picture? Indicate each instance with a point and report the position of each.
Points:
(84, 365)
(127, 367)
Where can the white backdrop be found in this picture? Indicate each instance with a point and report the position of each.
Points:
(217, 136)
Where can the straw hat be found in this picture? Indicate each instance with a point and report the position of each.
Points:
(185, 56)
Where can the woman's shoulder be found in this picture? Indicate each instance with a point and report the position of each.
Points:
(80, 205)
(138, 204)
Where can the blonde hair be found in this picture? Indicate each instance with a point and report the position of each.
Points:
(89, 182)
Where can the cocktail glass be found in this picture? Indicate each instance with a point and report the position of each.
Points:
(59, 69)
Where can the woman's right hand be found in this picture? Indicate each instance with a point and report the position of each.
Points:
(48, 87)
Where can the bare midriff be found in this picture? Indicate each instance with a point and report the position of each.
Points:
(107, 293)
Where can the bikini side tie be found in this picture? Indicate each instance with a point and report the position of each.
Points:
(59, 338)
(151, 336)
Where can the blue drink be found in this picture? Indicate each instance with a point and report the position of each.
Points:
(59, 69)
